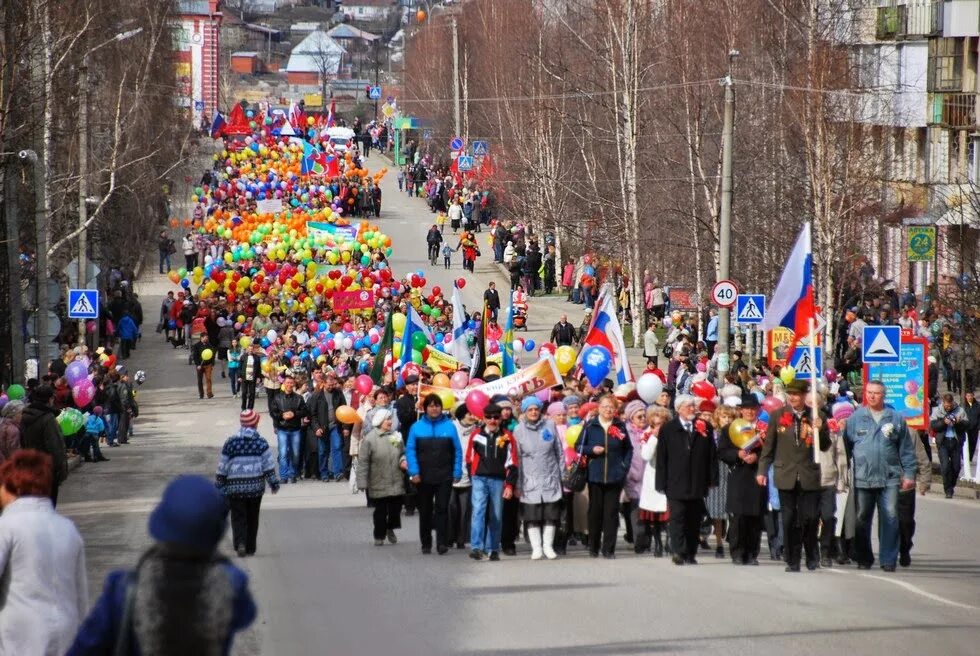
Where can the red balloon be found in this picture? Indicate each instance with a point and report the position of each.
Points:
(770, 404)
(461, 282)
(437, 291)
(704, 389)
(476, 402)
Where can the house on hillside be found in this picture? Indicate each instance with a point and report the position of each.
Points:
(315, 56)
(350, 37)
(368, 11)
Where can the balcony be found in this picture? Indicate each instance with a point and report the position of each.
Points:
(953, 110)
(914, 19)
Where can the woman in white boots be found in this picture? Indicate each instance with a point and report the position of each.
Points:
(540, 456)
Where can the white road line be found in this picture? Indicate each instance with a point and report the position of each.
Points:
(907, 586)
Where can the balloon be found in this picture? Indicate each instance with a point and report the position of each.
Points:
(842, 410)
(548, 348)
(75, 372)
(419, 340)
(831, 375)
(703, 389)
(364, 384)
(4, 400)
(529, 346)
(770, 404)
(459, 380)
(596, 363)
(461, 282)
(206, 355)
(476, 401)
(763, 417)
(649, 387)
(911, 386)
(572, 434)
(348, 415)
(83, 392)
(398, 322)
(787, 374)
(740, 432)
(448, 399)
(565, 359)
(271, 334)
(518, 345)
(71, 421)
(15, 392)
(441, 380)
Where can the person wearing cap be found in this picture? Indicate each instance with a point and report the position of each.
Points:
(538, 463)
(746, 498)
(489, 459)
(380, 469)
(789, 447)
(685, 470)
(246, 465)
(42, 561)
(182, 597)
(435, 462)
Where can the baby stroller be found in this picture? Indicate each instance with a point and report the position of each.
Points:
(520, 316)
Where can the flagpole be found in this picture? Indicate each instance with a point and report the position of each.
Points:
(813, 390)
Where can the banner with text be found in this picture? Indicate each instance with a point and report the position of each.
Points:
(541, 375)
(357, 300)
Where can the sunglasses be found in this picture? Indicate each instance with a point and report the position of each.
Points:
(493, 418)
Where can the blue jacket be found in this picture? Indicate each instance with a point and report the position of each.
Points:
(95, 425)
(127, 328)
(880, 460)
(614, 464)
(97, 635)
(433, 450)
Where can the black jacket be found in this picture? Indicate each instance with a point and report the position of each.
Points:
(256, 366)
(407, 415)
(563, 334)
(199, 348)
(686, 461)
(323, 410)
(284, 403)
(485, 458)
(745, 495)
(492, 298)
(972, 417)
(39, 430)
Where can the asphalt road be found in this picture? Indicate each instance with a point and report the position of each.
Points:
(323, 588)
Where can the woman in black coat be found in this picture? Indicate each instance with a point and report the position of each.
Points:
(746, 498)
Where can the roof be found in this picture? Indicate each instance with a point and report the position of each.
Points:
(310, 53)
(245, 54)
(194, 7)
(263, 29)
(304, 27)
(368, 3)
(345, 31)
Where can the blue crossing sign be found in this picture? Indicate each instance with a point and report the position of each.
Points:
(83, 303)
(374, 93)
(480, 149)
(881, 344)
(750, 309)
(465, 162)
(807, 368)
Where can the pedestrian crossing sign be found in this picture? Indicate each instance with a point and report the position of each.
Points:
(750, 309)
(881, 344)
(807, 368)
(83, 303)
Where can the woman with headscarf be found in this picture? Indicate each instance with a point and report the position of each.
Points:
(10, 428)
(635, 416)
(540, 459)
(183, 597)
(380, 468)
(42, 561)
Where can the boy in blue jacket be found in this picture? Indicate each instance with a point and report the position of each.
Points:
(94, 429)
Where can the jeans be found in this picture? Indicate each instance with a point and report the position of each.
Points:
(111, 427)
(484, 527)
(164, 261)
(330, 445)
(950, 455)
(886, 500)
(587, 297)
(498, 252)
(233, 379)
(288, 441)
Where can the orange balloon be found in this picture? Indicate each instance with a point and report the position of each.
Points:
(348, 415)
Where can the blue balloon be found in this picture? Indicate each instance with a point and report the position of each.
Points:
(264, 342)
(317, 352)
(375, 348)
(185, 283)
(764, 417)
(323, 326)
(529, 345)
(596, 363)
(289, 355)
(439, 338)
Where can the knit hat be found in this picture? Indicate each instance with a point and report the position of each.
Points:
(586, 408)
(192, 514)
(632, 407)
(571, 400)
(531, 402)
(97, 411)
(555, 408)
(249, 418)
(380, 415)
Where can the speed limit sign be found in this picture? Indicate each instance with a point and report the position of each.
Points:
(724, 293)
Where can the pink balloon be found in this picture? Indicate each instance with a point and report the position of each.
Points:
(83, 392)
(702, 367)
(543, 395)
(475, 382)
(476, 401)
(364, 384)
(547, 347)
(770, 404)
(459, 380)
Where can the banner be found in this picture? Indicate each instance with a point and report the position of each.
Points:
(440, 362)
(359, 300)
(682, 299)
(780, 340)
(541, 375)
(906, 382)
(318, 228)
(268, 206)
(921, 243)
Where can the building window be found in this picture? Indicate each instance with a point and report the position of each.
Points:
(946, 65)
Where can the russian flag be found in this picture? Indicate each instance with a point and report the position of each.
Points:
(791, 305)
(458, 347)
(606, 331)
(217, 125)
(332, 114)
(413, 324)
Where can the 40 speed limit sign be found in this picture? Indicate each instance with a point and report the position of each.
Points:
(724, 293)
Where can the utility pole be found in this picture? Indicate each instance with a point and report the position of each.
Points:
(377, 69)
(725, 238)
(457, 123)
(82, 182)
(41, 260)
(15, 311)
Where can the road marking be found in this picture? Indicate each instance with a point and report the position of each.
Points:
(914, 589)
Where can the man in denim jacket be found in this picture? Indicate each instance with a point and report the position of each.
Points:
(881, 449)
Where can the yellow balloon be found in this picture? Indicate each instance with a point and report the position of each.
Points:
(565, 359)
(245, 341)
(448, 399)
(207, 354)
(398, 322)
(787, 374)
(740, 432)
(440, 380)
(572, 434)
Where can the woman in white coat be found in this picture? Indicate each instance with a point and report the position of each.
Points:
(653, 504)
(42, 562)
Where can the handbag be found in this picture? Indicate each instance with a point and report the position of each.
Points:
(576, 473)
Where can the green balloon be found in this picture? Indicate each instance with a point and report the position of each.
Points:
(436, 313)
(426, 309)
(16, 392)
(417, 355)
(419, 341)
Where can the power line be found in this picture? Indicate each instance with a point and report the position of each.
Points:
(562, 96)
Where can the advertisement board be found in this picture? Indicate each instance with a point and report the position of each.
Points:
(906, 381)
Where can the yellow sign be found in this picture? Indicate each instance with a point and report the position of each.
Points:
(313, 100)
(921, 244)
(779, 343)
(183, 69)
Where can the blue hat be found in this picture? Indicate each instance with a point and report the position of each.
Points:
(531, 402)
(192, 513)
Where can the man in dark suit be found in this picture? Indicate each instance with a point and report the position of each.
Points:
(686, 468)
(492, 300)
(789, 446)
(972, 409)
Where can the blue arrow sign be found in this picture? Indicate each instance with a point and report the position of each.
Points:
(881, 344)
(750, 309)
(83, 303)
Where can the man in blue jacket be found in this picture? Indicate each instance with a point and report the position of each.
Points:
(435, 462)
(883, 454)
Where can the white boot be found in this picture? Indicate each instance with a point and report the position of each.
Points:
(549, 539)
(534, 535)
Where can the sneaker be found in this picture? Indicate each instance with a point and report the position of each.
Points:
(476, 554)
(494, 555)
(392, 538)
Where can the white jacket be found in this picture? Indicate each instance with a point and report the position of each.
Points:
(650, 499)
